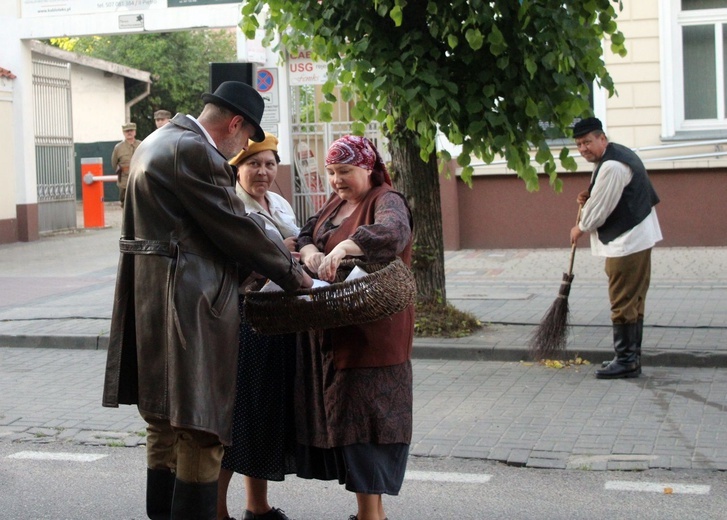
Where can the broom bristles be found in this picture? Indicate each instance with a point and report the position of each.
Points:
(550, 339)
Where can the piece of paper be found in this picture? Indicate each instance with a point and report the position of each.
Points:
(356, 273)
(271, 286)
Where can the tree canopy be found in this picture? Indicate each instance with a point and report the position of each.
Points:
(499, 78)
(178, 62)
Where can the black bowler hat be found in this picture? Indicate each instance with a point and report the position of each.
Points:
(586, 126)
(242, 99)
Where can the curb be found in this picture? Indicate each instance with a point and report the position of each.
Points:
(428, 350)
(654, 357)
(70, 342)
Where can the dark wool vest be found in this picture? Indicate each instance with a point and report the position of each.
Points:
(636, 200)
(387, 341)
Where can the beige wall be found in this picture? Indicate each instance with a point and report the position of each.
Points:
(7, 151)
(633, 116)
(98, 105)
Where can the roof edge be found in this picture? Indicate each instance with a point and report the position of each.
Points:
(88, 61)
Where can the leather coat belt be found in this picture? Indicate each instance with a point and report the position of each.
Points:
(147, 247)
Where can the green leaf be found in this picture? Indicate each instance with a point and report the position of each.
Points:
(325, 111)
(543, 155)
(569, 163)
(452, 41)
(396, 15)
(378, 82)
(496, 41)
(466, 175)
(358, 128)
(397, 69)
(531, 108)
(475, 39)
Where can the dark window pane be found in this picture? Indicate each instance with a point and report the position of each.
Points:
(692, 5)
(724, 68)
(700, 75)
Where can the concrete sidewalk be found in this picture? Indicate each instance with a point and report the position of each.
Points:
(58, 292)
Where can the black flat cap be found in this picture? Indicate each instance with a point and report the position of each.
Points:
(586, 126)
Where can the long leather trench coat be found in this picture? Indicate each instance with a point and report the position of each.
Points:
(186, 241)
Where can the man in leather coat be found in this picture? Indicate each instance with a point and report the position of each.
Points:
(186, 242)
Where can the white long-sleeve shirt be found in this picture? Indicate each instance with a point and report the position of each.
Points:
(607, 190)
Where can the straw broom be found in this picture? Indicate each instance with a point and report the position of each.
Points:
(551, 337)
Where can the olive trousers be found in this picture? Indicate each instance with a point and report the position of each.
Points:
(628, 282)
(195, 456)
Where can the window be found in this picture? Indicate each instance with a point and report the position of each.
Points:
(694, 68)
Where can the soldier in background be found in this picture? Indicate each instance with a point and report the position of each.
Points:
(162, 117)
(121, 158)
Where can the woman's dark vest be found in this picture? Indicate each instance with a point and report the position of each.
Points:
(636, 200)
(384, 342)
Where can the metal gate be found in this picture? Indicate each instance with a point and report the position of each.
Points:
(311, 139)
(54, 145)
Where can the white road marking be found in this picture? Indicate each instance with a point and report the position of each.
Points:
(42, 455)
(657, 487)
(436, 476)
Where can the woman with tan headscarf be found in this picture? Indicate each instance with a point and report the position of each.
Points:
(263, 428)
(354, 384)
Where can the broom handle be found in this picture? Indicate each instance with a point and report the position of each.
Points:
(573, 245)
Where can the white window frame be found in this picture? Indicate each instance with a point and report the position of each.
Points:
(672, 19)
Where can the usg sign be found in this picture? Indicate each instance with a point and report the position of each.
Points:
(302, 70)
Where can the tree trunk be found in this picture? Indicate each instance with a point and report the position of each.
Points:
(419, 181)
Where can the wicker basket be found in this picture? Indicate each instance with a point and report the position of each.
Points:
(387, 289)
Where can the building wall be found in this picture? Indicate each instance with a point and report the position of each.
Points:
(8, 220)
(98, 105)
(498, 213)
(633, 115)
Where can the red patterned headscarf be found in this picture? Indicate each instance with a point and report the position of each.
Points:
(359, 151)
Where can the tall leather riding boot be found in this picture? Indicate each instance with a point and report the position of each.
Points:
(626, 364)
(159, 492)
(194, 501)
(639, 339)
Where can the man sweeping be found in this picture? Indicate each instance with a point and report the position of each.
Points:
(618, 212)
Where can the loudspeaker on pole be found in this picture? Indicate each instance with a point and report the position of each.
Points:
(239, 71)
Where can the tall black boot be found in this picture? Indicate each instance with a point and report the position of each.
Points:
(159, 492)
(194, 501)
(639, 338)
(626, 364)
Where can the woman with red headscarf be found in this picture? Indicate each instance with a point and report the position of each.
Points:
(354, 383)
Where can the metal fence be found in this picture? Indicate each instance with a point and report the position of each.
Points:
(54, 144)
(311, 139)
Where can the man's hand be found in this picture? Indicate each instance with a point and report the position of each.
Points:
(575, 234)
(307, 281)
(583, 197)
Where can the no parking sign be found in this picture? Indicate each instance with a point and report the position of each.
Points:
(267, 86)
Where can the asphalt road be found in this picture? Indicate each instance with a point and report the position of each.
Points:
(112, 487)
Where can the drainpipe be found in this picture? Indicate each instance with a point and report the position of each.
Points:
(136, 100)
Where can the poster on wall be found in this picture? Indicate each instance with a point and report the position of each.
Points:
(70, 7)
(187, 3)
(31, 8)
